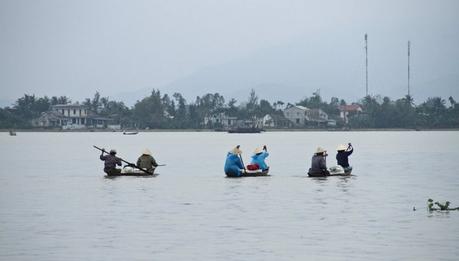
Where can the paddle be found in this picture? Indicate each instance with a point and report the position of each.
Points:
(240, 157)
(127, 162)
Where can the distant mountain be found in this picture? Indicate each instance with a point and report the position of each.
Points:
(291, 72)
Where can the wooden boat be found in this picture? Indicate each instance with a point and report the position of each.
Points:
(333, 171)
(245, 130)
(12, 133)
(253, 173)
(143, 174)
(133, 172)
(130, 132)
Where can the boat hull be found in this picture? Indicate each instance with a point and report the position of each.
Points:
(132, 175)
(133, 172)
(245, 130)
(330, 175)
(249, 173)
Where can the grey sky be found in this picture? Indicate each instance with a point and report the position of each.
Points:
(77, 47)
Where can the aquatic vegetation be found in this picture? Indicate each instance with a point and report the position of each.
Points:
(431, 203)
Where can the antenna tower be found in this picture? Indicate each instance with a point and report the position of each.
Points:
(366, 65)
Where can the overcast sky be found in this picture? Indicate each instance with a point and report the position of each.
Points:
(75, 48)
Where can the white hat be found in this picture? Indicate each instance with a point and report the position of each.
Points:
(320, 150)
(236, 151)
(146, 152)
(341, 147)
(258, 150)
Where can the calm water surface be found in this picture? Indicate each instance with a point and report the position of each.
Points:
(55, 203)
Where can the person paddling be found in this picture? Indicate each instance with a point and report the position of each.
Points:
(110, 162)
(319, 164)
(233, 164)
(342, 157)
(260, 154)
(146, 161)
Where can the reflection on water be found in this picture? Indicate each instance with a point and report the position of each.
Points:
(60, 206)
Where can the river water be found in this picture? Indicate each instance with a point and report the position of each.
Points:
(55, 203)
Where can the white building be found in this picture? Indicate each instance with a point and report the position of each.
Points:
(274, 121)
(317, 116)
(297, 114)
(72, 116)
(346, 111)
(75, 116)
(220, 120)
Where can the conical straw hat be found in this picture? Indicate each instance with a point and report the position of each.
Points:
(258, 150)
(236, 151)
(341, 147)
(146, 152)
(320, 150)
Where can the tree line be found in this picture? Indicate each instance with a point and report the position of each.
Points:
(174, 112)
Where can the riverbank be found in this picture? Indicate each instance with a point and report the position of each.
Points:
(212, 130)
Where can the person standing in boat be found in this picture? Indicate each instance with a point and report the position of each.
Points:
(319, 164)
(233, 163)
(146, 161)
(343, 156)
(259, 157)
(110, 162)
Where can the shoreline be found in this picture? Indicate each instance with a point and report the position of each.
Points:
(212, 130)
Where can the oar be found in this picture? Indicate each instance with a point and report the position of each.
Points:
(127, 162)
(240, 157)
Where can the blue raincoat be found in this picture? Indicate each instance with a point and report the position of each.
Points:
(233, 165)
(260, 160)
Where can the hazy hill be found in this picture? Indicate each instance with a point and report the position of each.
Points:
(335, 65)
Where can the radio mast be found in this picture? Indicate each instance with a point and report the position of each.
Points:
(409, 53)
(366, 65)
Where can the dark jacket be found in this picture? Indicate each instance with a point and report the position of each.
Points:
(318, 163)
(110, 162)
(147, 162)
(342, 157)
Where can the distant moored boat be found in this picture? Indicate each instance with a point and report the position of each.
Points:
(130, 132)
(245, 130)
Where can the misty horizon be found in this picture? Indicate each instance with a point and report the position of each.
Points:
(281, 50)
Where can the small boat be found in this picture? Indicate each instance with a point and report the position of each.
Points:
(245, 130)
(12, 133)
(253, 173)
(130, 132)
(133, 172)
(333, 171)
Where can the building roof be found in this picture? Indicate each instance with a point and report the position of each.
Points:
(65, 106)
(298, 107)
(351, 107)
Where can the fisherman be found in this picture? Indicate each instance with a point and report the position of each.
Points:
(233, 163)
(110, 162)
(319, 164)
(344, 151)
(146, 161)
(259, 157)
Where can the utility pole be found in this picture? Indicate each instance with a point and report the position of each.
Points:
(409, 53)
(366, 65)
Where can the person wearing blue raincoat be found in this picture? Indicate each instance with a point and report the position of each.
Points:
(259, 157)
(233, 163)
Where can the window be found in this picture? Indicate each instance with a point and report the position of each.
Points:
(63, 112)
(73, 121)
(74, 111)
(82, 120)
(298, 121)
